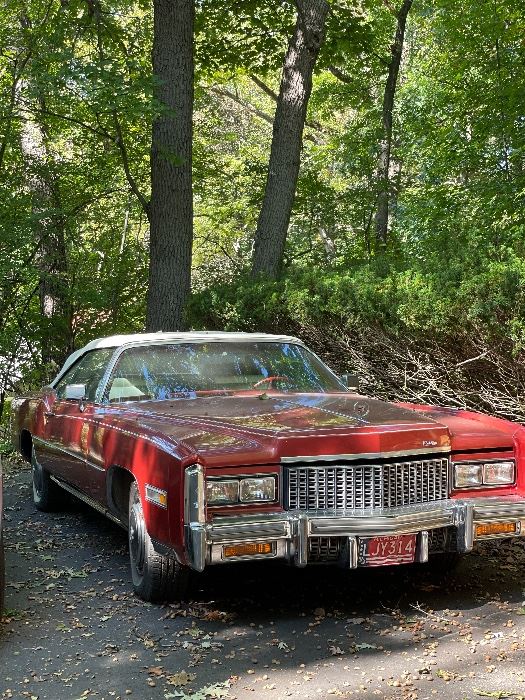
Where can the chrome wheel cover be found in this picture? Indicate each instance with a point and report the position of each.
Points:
(137, 539)
(38, 477)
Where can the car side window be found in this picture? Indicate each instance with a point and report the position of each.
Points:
(88, 370)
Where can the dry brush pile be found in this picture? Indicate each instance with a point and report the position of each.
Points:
(461, 373)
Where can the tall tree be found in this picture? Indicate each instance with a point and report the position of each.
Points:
(171, 207)
(48, 219)
(49, 225)
(288, 125)
(385, 148)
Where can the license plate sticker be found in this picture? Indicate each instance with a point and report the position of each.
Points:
(387, 551)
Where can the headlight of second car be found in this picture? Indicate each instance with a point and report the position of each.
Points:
(468, 475)
(245, 490)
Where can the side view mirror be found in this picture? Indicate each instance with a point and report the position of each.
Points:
(351, 381)
(75, 391)
(49, 395)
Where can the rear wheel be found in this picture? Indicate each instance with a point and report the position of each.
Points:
(156, 577)
(47, 495)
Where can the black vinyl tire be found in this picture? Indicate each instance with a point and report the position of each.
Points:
(156, 577)
(47, 496)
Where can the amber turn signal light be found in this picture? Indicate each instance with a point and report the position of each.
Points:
(247, 549)
(496, 529)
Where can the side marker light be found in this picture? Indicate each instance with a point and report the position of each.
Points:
(156, 496)
(487, 529)
(247, 549)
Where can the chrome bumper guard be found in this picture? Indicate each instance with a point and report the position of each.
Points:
(290, 531)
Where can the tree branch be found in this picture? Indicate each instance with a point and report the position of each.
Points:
(268, 90)
(265, 88)
(85, 203)
(125, 163)
(340, 75)
(224, 92)
(65, 117)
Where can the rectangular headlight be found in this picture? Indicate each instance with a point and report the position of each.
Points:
(466, 475)
(495, 473)
(253, 490)
(224, 491)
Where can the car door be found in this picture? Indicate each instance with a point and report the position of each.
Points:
(69, 423)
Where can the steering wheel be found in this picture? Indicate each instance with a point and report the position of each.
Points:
(269, 380)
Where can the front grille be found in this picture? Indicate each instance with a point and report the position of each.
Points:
(366, 486)
(437, 540)
(444, 539)
(324, 548)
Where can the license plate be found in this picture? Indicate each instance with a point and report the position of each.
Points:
(386, 551)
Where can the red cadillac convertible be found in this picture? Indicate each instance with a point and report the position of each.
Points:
(212, 448)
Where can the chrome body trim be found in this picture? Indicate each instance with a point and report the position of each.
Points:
(195, 537)
(353, 552)
(422, 547)
(194, 515)
(492, 508)
(365, 455)
(194, 495)
(89, 501)
(290, 531)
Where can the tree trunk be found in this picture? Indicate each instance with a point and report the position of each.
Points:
(50, 232)
(171, 207)
(383, 165)
(288, 125)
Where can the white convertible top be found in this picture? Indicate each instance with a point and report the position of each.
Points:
(116, 341)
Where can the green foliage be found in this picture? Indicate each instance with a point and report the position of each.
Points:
(79, 74)
(67, 75)
(421, 304)
(241, 35)
(6, 448)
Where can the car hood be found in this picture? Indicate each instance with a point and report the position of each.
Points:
(268, 428)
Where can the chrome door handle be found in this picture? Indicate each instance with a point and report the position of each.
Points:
(48, 414)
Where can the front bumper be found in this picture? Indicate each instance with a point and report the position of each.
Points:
(290, 532)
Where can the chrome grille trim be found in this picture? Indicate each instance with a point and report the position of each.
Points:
(324, 548)
(357, 486)
(364, 455)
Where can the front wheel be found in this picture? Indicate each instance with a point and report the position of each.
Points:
(156, 577)
(47, 496)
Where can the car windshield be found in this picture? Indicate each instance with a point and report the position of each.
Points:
(182, 370)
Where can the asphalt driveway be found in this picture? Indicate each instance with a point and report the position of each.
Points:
(73, 629)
